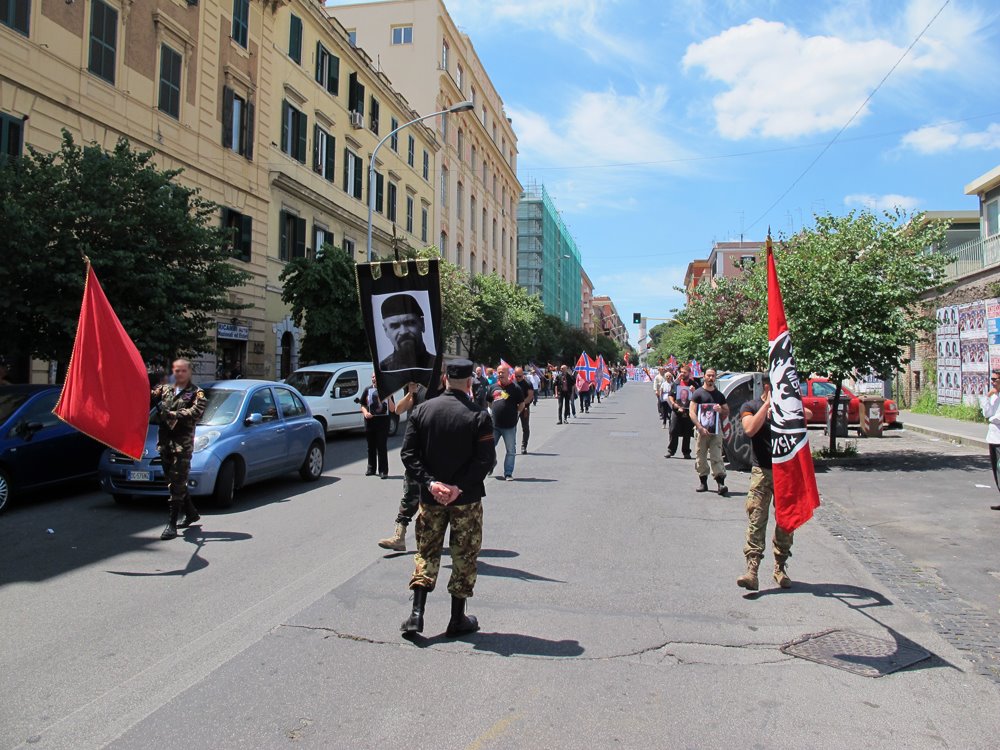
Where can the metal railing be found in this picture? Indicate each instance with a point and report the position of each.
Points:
(972, 256)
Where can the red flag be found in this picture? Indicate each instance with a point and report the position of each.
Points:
(106, 395)
(603, 375)
(795, 492)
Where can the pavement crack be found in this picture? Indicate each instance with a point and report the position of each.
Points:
(345, 636)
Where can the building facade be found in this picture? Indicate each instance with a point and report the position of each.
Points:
(257, 102)
(611, 324)
(587, 303)
(435, 66)
(548, 260)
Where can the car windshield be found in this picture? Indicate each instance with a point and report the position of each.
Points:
(9, 403)
(223, 407)
(309, 383)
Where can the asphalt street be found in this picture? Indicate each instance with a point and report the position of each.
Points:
(607, 598)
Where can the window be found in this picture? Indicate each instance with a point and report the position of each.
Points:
(347, 382)
(823, 390)
(327, 69)
(444, 187)
(11, 135)
(355, 95)
(444, 127)
(262, 402)
(295, 38)
(427, 166)
(402, 35)
(411, 148)
(494, 132)
(472, 262)
(444, 56)
(461, 145)
(484, 174)
(409, 214)
(321, 236)
(170, 81)
(443, 247)
(459, 199)
(458, 76)
(494, 235)
(241, 22)
(394, 138)
(352, 37)
(992, 218)
(484, 224)
(458, 254)
(472, 158)
(291, 405)
(353, 167)
(373, 116)
(237, 123)
(241, 227)
(293, 132)
(324, 148)
(484, 115)
(472, 215)
(379, 194)
(472, 98)
(293, 237)
(390, 202)
(423, 224)
(103, 40)
(15, 14)
(348, 246)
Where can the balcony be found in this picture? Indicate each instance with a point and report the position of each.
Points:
(975, 255)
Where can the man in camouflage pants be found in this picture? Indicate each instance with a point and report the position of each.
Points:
(180, 407)
(448, 450)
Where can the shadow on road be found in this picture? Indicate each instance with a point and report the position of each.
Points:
(909, 461)
(508, 644)
(193, 535)
(486, 569)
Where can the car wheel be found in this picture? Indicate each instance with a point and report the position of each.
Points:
(312, 467)
(225, 485)
(121, 499)
(393, 424)
(4, 491)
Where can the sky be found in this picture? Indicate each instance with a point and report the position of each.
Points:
(660, 127)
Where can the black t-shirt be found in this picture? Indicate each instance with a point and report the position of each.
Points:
(708, 417)
(760, 444)
(504, 401)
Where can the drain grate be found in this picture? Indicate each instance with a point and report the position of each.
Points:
(857, 653)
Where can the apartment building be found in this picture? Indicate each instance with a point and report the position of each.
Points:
(435, 65)
(329, 111)
(611, 324)
(586, 303)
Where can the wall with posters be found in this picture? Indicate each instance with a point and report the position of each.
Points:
(968, 346)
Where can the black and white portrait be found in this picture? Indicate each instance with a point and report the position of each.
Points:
(403, 337)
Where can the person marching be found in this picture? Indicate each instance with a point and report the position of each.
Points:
(564, 390)
(658, 384)
(990, 406)
(179, 406)
(376, 412)
(507, 401)
(755, 416)
(415, 395)
(527, 386)
(448, 450)
(707, 411)
(679, 402)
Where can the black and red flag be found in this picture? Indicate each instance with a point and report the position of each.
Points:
(795, 493)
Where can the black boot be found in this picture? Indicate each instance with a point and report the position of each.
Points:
(170, 530)
(723, 489)
(190, 514)
(415, 622)
(703, 486)
(460, 623)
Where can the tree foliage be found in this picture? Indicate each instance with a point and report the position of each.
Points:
(506, 323)
(156, 246)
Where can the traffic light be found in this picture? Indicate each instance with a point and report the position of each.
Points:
(637, 318)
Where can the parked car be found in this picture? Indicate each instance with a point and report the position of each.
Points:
(817, 391)
(37, 449)
(332, 390)
(251, 430)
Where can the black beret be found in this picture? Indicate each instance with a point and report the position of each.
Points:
(460, 368)
(401, 304)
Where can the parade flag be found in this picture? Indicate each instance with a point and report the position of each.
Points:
(106, 394)
(672, 363)
(604, 377)
(695, 369)
(505, 363)
(586, 368)
(795, 491)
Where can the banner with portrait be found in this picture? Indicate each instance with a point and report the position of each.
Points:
(401, 307)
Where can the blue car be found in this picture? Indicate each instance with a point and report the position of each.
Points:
(251, 430)
(37, 449)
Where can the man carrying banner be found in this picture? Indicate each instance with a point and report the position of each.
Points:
(179, 406)
(708, 409)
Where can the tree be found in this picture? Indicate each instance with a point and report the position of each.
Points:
(458, 303)
(672, 337)
(507, 322)
(323, 295)
(156, 245)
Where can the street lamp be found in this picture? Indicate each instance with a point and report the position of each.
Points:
(460, 107)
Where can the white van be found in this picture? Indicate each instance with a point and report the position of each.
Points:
(332, 392)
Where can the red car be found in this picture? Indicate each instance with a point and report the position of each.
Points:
(815, 395)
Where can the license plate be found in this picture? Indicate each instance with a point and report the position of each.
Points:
(140, 476)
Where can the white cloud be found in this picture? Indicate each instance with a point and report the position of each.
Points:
(781, 83)
(882, 202)
(599, 130)
(935, 139)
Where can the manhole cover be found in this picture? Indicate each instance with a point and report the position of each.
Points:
(624, 434)
(860, 654)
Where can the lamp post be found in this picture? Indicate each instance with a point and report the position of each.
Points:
(460, 107)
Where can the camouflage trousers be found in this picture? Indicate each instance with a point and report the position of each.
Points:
(410, 503)
(708, 451)
(176, 468)
(466, 523)
(759, 500)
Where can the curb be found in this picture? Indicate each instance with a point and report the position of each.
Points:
(954, 437)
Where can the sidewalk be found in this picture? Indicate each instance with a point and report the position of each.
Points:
(958, 431)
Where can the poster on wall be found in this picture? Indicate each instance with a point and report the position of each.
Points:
(949, 355)
(401, 308)
(993, 332)
(974, 351)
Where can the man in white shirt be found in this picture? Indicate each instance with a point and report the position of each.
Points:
(658, 382)
(990, 404)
